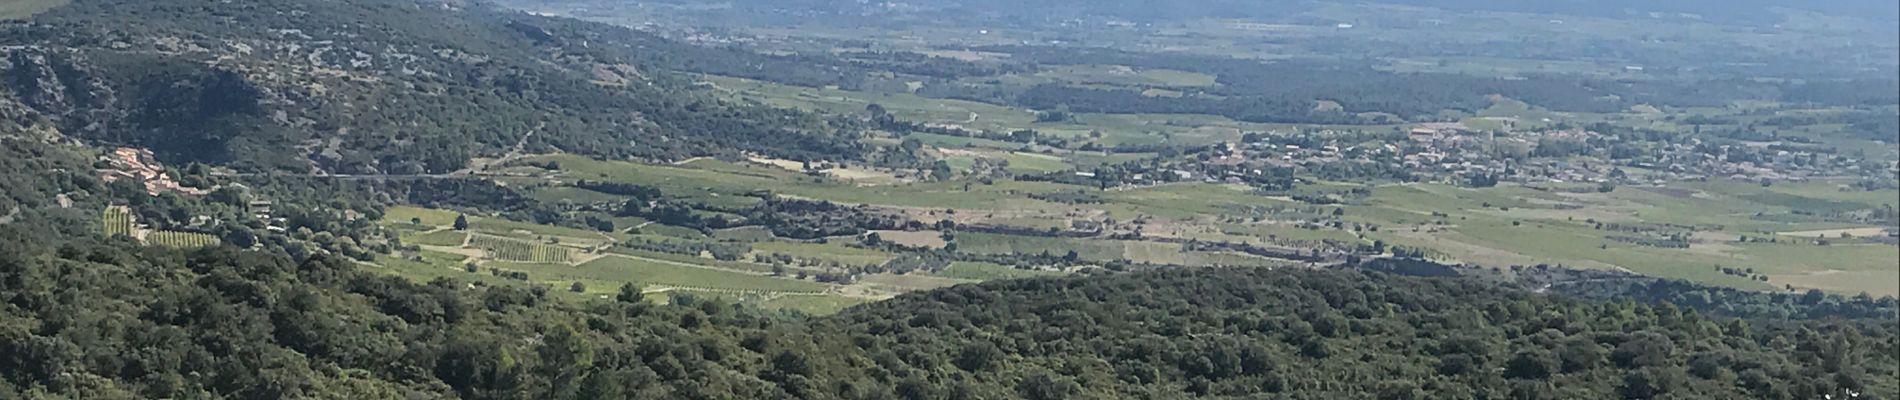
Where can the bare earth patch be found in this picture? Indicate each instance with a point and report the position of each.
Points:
(931, 239)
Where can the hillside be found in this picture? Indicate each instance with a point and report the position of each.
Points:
(104, 320)
(373, 86)
(433, 199)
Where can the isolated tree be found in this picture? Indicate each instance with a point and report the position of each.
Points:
(629, 293)
(461, 222)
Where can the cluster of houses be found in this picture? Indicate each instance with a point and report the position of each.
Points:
(139, 165)
(1452, 152)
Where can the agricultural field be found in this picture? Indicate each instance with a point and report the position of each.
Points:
(1705, 230)
(509, 260)
(742, 266)
(710, 180)
(506, 249)
(982, 271)
(528, 231)
(1087, 249)
(418, 215)
(813, 304)
(1501, 226)
(678, 276)
(183, 240)
(834, 251)
(117, 220)
(556, 194)
(1518, 226)
(744, 234)
(437, 238)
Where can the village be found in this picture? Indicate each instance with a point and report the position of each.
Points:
(1454, 154)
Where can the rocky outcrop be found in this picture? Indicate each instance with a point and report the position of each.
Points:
(54, 91)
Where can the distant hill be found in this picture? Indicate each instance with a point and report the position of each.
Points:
(1758, 11)
(1751, 11)
(375, 86)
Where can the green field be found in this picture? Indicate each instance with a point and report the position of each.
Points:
(530, 231)
(430, 265)
(744, 234)
(1523, 226)
(833, 251)
(988, 243)
(671, 231)
(1185, 200)
(691, 259)
(623, 269)
(557, 194)
(437, 238)
(427, 216)
(1481, 232)
(813, 305)
(982, 271)
(1549, 227)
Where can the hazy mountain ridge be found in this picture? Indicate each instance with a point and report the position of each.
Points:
(1743, 11)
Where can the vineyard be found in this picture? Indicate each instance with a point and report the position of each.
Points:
(517, 250)
(117, 220)
(180, 239)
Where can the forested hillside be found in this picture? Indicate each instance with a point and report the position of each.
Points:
(375, 86)
(103, 319)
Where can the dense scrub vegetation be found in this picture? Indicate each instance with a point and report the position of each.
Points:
(92, 318)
